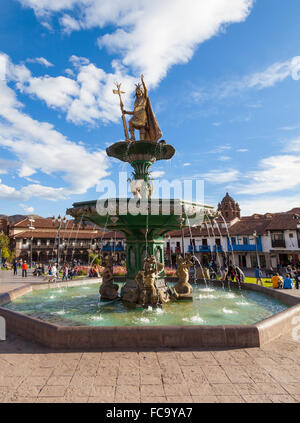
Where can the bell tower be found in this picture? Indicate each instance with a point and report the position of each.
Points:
(229, 208)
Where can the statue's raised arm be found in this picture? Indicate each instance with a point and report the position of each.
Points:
(144, 85)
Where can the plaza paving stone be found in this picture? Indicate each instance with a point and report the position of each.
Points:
(32, 373)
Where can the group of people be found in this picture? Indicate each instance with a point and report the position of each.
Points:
(288, 282)
(20, 265)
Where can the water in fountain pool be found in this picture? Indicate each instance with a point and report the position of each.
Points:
(81, 306)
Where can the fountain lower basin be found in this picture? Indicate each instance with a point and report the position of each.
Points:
(182, 325)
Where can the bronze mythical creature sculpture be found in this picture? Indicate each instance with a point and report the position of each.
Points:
(108, 290)
(183, 289)
(145, 279)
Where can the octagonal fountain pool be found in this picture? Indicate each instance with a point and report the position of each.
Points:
(80, 306)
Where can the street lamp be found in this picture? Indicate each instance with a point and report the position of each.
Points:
(181, 222)
(61, 222)
(31, 228)
(170, 253)
(257, 257)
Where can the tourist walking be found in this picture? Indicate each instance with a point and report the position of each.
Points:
(53, 273)
(24, 269)
(65, 273)
(258, 275)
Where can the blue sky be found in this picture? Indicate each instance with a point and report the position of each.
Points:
(223, 77)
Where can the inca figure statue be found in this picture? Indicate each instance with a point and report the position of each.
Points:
(143, 117)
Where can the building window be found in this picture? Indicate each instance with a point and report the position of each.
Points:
(233, 241)
(245, 241)
(291, 235)
(218, 241)
(204, 241)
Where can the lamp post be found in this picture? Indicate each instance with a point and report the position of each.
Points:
(61, 222)
(170, 252)
(31, 227)
(257, 257)
(181, 221)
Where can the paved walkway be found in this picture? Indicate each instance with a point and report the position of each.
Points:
(32, 373)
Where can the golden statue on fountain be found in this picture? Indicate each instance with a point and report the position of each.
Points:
(145, 279)
(143, 117)
(108, 290)
(183, 289)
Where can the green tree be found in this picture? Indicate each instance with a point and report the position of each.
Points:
(93, 258)
(6, 252)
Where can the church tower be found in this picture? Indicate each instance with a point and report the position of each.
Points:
(229, 208)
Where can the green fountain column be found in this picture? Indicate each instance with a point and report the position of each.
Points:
(137, 250)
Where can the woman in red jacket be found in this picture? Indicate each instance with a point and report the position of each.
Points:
(24, 270)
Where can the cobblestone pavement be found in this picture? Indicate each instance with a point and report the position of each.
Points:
(31, 373)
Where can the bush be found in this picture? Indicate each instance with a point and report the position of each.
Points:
(119, 271)
(170, 272)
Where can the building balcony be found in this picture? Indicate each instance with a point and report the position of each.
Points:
(218, 248)
(278, 243)
(111, 248)
(244, 247)
(201, 249)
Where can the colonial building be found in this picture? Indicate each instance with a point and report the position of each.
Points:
(266, 240)
(75, 242)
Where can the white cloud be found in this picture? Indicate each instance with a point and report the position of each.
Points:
(5, 165)
(26, 208)
(150, 37)
(221, 176)
(224, 158)
(158, 173)
(186, 164)
(8, 193)
(273, 74)
(268, 204)
(293, 146)
(40, 148)
(275, 173)
(242, 150)
(40, 60)
(86, 98)
(56, 92)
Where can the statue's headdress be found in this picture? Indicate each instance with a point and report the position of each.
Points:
(138, 87)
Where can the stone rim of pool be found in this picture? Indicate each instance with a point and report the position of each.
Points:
(114, 337)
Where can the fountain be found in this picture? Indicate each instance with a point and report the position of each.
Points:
(143, 220)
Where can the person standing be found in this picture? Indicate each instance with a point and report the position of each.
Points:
(24, 269)
(65, 273)
(258, 275)
(15, 267)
